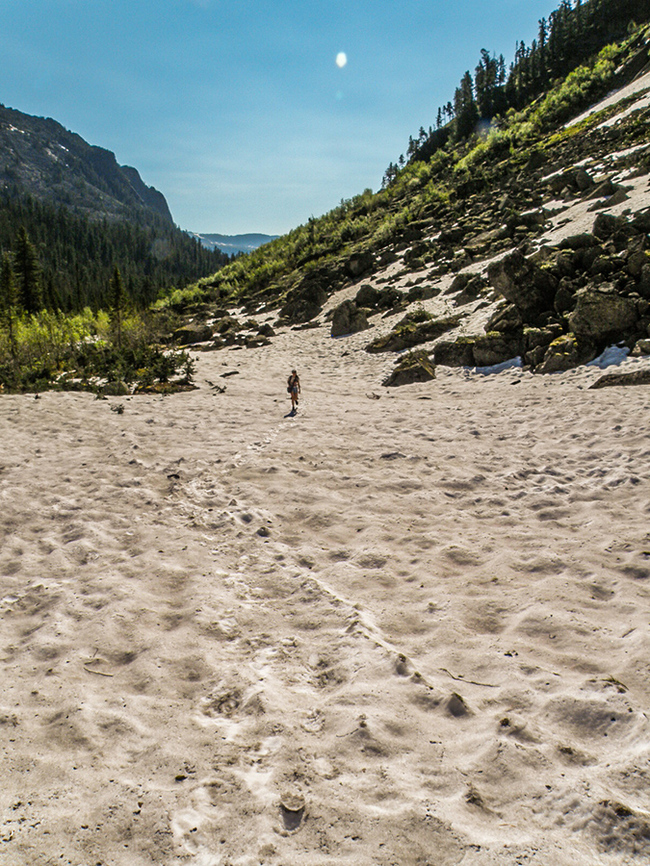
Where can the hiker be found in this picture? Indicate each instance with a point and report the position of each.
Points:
(293, 388)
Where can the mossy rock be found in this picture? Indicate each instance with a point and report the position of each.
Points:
(565, 353)
(495, 348)
(192, 333)
(116, 389)
(602, 313)
(414, 367)
(455, 353)
(409, 333)
(227, 325)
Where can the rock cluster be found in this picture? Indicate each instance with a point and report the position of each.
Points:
(410, 332)
(565, 304)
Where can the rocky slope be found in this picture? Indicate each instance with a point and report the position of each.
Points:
(43, 159)
(538, 253)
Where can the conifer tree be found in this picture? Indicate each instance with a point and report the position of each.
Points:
(118, 306)
(28, 272)
(8, 300)
(465, 108)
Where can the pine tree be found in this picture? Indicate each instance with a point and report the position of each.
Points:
(8, 300)
(28, 272)
(118, 306)
(465, 108)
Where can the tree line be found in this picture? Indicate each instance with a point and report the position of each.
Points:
(572, 35)
(64, 261)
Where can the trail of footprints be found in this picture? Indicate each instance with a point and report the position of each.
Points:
(310, 745)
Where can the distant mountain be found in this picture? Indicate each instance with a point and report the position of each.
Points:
(85, 214)
(234, 244)
(42, 159)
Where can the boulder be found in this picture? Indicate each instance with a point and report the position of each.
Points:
(635, 263)
(377, 299)
(458, 283)
(455, 353)
(410, 333)
(564, 300)
(421, 293)
(192, 333)
(472, 290)
(227, 325)
(564, 353)
(534, 337)
(118, 388)
(255, 341)
(348, 319)
(414, 367)
(642, 347)
(637, 377)
(368, 296)
(536, 341)
(606, 224)
(505, 318)
(603, 190)
(528, 287)
(578, 242)
(535, 357)
(617, 197)
(495, 348)
(600, 313)
(305, 300)
(414, 257)
(483, 241)
(583, 180)
(359, 263)
(643, 285)
(266, 330)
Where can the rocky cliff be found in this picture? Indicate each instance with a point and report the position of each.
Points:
(41, 158)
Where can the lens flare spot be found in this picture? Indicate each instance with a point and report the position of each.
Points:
(341, 59)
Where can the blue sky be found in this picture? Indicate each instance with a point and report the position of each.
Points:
(236, 109)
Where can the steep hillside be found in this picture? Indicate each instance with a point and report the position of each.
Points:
(563, 206)
(44, 160)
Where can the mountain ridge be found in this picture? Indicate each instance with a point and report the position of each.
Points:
(233, 244)
(45, 160)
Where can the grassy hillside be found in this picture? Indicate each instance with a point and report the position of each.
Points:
(456, 193)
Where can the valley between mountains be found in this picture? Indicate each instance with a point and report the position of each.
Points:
(406, 626)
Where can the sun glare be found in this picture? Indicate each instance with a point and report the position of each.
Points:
(341, 59)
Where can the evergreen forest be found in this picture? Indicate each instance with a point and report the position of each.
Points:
(75, 257)
(572, 35)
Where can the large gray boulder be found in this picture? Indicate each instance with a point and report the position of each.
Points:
(528, 287)
(410, 332)
(565, 353)
(495, 348)
(379, 299)
(455, 353)
(505, 318)
(600, 313)
(348, 319)
(192, 333)
(414, 367)
(359, 264)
